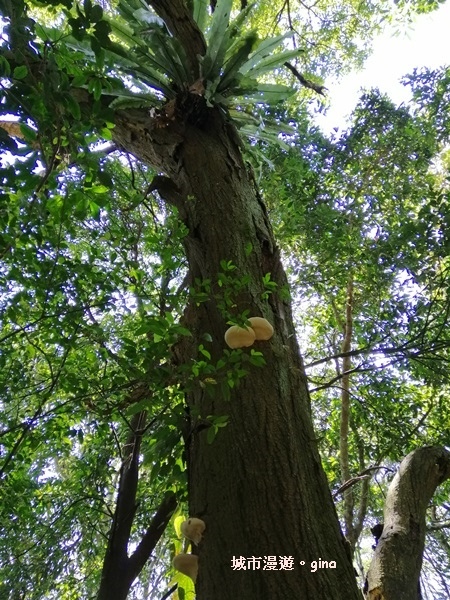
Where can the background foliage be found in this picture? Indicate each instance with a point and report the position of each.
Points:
(93, 286)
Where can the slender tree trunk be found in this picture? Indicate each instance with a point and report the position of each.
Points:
(119, 569)
(353, 516)
(259, 486)
(115, 582)
(345, 414)
(395, 569)
(363, 496)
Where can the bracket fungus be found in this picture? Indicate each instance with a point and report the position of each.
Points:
(262, 328)
(186, 564)
(192, 529)
(239, 337)
(242, 337)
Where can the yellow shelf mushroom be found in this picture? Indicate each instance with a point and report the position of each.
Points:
(239, 337)
(243, 337)
(262, 328)
(186, 564)
(192, 529)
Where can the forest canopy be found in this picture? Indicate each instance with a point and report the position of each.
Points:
(162, 180)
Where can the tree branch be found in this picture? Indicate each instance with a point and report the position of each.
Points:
(116, 562)
(319, 89)
(439, 526)
(152, 535)
(345, 414)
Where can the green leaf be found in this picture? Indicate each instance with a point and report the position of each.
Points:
(232, 66)
(256, 358)
(102, 30)
(132, 101)
(239, 22)
(87, 6)
(264, 49)
(170, 57)
(20, 72)
(136, 60)
(78, 28)
(5, 67)
(99, 189)
(200, 13)
(267, 93)
(218, 38)
(211, 434)
(272, 62)
(205, 352)
(73, 106)
(106, 133)
(29, 134)
(182, 331)
(96, 14)
(153, 325)
(130, 65)
(95, 88)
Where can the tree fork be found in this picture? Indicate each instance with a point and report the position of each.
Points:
(119, 569)
(395, 569)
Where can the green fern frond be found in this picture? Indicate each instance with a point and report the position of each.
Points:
(200, 13)
(217, 37)
(232, 67)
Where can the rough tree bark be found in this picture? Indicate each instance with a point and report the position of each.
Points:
(259, 486)
(395, 569)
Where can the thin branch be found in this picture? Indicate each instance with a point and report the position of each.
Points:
(316, 87)
(359, 369)
(153, 534)
(360, 477)
(169, 592)
(438, 526)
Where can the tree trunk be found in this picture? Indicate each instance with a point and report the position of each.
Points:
(349, 501)
(259, 486)
(395, 569)
(119, 569)
(115, 581)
